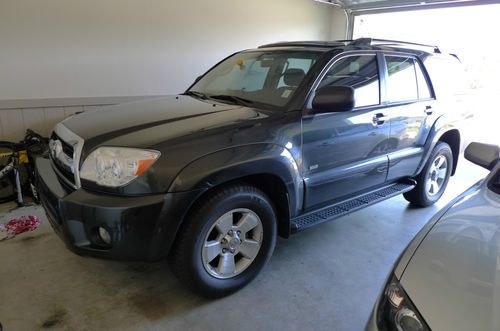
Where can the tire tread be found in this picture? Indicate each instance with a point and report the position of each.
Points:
(418, 196)
(181, 249)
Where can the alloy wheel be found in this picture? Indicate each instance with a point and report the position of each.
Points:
(436, 175)
(232, 243)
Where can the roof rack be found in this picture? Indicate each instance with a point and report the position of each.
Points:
(305, 44)
(386, 42)
(355, 42)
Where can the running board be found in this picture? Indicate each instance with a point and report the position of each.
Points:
(343, 208)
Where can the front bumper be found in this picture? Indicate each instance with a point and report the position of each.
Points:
(141, 228)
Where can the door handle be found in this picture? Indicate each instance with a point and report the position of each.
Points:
(379, 119)
(428, 110)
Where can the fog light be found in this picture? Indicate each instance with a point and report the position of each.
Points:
(104, 236)
(407, 320)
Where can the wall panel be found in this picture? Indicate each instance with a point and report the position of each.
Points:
(60, 57)
(14, 122)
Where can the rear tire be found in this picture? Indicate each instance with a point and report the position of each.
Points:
(432, 181)
(225, 241)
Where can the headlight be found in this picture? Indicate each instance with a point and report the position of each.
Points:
(117, 166)
(397, 312)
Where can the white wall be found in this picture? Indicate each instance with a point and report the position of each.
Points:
(58, 57)
(339, 26)
(93, 48)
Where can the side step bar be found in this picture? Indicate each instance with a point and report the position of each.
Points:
(343, 208)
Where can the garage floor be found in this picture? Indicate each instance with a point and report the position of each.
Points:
(326, 278)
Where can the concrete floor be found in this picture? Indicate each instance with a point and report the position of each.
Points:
(326, 278)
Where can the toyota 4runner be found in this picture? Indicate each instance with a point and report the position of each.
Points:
(270, 141)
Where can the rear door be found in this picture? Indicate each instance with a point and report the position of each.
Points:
(344, 152)
(410, 109)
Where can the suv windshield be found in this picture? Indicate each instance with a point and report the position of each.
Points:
(265, 77)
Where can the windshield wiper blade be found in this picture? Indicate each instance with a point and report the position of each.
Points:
(196, 94)
(234, 99)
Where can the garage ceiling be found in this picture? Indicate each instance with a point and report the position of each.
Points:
(369, 5)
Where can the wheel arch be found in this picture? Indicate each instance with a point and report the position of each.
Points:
(269, 167)
(453, 139)
(442, 132)
(272, 185)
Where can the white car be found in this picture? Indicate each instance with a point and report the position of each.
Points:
(448, 278)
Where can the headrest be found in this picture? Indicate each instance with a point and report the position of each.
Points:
(293, 77)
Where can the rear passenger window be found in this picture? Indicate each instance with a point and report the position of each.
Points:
(401, 80)
(447, 76)
(358, 72)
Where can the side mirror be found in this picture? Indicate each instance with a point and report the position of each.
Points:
(483, 155)
(333, 99)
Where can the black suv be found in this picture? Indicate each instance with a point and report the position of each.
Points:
(270, 141)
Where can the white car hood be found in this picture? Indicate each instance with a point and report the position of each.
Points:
(453, 277)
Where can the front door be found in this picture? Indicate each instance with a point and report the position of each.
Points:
(345, 152)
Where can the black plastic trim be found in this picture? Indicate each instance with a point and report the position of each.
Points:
(345, 207)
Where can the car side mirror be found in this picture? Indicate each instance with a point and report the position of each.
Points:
(483, 155)
(333, 99)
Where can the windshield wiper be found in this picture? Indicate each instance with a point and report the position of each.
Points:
(196, 94)
(234, 99)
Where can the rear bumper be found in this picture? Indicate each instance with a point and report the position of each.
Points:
(141, 228)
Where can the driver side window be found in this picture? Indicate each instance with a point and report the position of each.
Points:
(359, 72)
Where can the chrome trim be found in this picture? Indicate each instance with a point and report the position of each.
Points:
(406, 152)
(56, 151)
(77, 142)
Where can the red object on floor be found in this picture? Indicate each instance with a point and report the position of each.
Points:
(19, 225)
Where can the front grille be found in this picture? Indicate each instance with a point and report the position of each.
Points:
(64, 170)
(67, 174)
(67, 148)
(65, 151)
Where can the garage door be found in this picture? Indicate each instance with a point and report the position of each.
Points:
(370, 5)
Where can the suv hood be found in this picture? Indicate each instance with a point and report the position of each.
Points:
(182, 129)
(453, 277)
(129, 117)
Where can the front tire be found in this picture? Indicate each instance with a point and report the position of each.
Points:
(432, 181)
(226, 241)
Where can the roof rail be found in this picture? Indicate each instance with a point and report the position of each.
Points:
(304, 44)
(386, 42)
